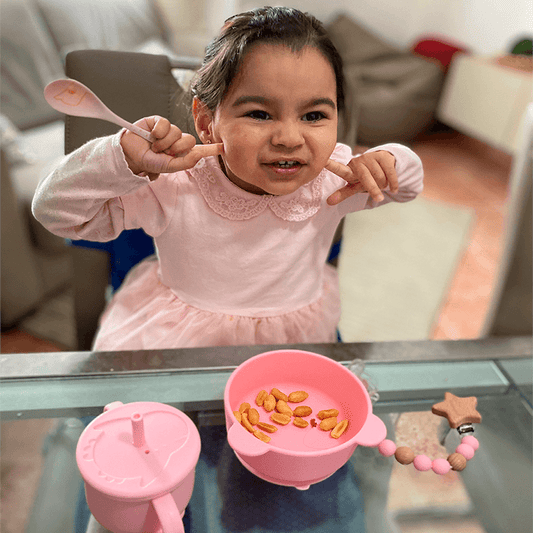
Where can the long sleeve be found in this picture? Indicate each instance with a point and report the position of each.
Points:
(410, 175)
(410, 178)
(86, 196)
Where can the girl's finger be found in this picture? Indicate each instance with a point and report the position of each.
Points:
(194, 155)
(387, 163)
(206, 150)
(369, 166)
(341, 170)
(166, 143)
(181, 146)
(369, 185)
(363, 181)
(389, 167)
(340, 195)
(158, 126)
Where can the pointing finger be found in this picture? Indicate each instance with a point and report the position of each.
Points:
(205, 150)
(341, 170)
(371, 186)
(191, 158)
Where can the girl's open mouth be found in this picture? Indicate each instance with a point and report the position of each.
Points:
(285, 166)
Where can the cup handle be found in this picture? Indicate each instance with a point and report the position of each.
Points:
(168, 514)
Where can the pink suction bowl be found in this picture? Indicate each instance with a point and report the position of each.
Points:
(296, 456)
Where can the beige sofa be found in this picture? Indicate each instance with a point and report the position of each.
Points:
(392, 96)
(36, 35)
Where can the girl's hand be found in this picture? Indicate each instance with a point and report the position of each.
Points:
(370, 172)
(172, 151)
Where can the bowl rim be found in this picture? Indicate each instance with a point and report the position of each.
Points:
(352, 442)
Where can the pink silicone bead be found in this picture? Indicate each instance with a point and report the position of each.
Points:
(387, 448)
(466, 451)
(422, 463)
(471, 441)
(441, 466)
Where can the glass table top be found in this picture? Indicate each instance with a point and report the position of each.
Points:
(492, 494)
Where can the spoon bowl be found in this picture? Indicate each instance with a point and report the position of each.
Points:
(75, 99)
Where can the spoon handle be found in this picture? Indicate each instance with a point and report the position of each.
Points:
(146, 135)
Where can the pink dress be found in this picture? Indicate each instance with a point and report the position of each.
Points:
(231, 268)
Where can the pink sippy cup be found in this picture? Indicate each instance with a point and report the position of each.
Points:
(138, 463)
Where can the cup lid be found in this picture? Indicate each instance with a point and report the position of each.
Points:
(138, 451)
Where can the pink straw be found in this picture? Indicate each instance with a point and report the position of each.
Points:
(138, 429)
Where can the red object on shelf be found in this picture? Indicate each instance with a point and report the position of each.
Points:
(437, 49)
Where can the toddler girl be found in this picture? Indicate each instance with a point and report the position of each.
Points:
(242, 227)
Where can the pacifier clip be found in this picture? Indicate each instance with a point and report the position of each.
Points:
(461, 414)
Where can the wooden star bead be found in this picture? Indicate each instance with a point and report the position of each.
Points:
(457, 461)
(457, 410)
(404, 455)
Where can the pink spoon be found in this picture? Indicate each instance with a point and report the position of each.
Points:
(73, 98)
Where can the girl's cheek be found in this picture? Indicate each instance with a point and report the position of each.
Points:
(237, 153)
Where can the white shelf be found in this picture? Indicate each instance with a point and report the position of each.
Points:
(485, 100)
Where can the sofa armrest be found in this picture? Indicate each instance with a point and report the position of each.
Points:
(21, 281)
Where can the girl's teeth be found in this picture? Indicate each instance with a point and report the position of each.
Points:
(287, 163)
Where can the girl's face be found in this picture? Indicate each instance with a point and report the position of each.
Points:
(278, 121)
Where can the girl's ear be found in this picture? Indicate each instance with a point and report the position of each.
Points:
(203, 119)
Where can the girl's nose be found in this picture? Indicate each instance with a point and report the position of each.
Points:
(287, 134)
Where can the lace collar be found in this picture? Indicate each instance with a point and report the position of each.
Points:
(229, 201)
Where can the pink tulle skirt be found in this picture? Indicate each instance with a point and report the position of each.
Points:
(146, 315)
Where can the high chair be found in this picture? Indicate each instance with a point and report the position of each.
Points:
(133, 85)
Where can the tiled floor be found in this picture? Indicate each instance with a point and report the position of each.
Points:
(463, 171)
(459, 170)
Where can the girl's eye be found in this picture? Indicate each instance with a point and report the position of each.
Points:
(258, 115)
(314, 116)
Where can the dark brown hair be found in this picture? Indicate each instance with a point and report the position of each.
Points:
(270, 25)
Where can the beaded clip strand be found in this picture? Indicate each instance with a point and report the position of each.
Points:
(461, 414)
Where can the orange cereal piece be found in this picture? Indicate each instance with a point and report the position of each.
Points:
(339, 429)
(328, 423)
(253, 416)
(243, 408)
(269, 428)
(270, 403)
(300, 422)
(246, 423)
(313, 423)
(302, 410)
(238, 416)
(280, 418)
(283, 408)
(327, 413)
(279, 395)
(298, 396)
(261, 436)
(261, 397)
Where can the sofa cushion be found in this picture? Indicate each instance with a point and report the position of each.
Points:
(101, 24)
(29, 61)
(355, 43)
(391, 94)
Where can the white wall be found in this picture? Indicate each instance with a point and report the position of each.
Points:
(487, 27)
